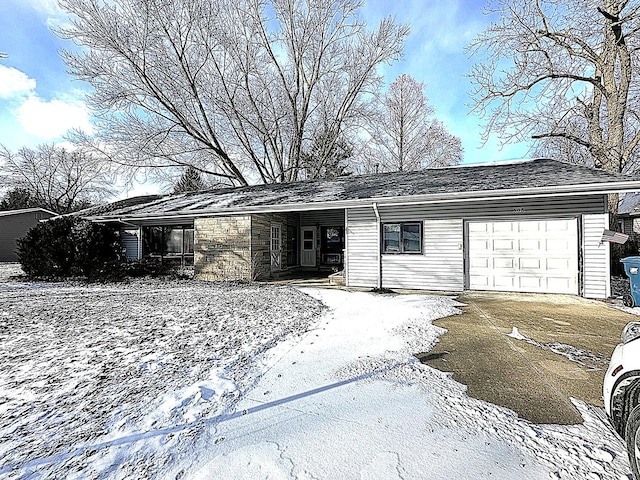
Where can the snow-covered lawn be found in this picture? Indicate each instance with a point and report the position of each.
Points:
(195, 380)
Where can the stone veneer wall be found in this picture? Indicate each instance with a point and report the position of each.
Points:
(222, 248)
(236, 247)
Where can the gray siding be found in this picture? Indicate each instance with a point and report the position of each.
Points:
(497, 208)
(326, 218)
(441, 265)
(596, 266)
(14, 226)
(293, 219)
(130, 240)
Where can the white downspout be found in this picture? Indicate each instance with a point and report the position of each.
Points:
(379, 252)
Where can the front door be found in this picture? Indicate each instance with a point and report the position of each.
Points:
(308, 247)
(276, 247)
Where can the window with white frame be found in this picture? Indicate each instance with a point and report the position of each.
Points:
(276, 238)
(402, 237)
(276, 247)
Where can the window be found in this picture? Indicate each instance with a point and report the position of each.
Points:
(331, 245)
(276, 247)
(188, 241)
(402, 238)
(173, 241)
(153, 243)
(276, 239)
(173, 244)
(332, 239)
(308, 239)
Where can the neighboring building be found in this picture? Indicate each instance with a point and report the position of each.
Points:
(629, 215)
(529, 226)
(14, 224)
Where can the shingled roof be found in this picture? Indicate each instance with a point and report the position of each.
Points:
(119, 205)
(530, 177)
(629, 204)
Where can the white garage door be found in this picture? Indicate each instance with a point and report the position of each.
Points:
(524, 256)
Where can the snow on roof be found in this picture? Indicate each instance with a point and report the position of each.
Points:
(628, 203)
(6, 213)
(469, 180)
(120, 204)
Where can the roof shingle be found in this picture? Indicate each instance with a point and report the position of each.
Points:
(466, 180)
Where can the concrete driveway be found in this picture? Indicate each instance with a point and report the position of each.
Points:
(561, 349)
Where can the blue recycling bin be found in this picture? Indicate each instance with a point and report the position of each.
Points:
(632, 269)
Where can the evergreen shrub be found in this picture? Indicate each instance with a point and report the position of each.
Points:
(71, 247)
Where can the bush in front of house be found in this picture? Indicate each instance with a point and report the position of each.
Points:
(147, 267)
(71, 247)
(45, 251)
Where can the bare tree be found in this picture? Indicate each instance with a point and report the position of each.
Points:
(564, 73)
(405, 133)
(443, 149)
(55, 178)
(232, 88)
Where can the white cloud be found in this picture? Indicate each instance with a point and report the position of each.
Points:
(54, 16)
(49, 7)
(51, 119)
(13, 82)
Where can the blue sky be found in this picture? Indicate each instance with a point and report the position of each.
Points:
(39, 101)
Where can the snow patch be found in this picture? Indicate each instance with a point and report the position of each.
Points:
(191, 380)
(589, 360)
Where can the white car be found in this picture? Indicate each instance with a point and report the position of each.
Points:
(621, 392)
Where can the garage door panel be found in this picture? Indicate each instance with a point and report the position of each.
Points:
(478, 227)
(479, 263)
(501, 262)
(526, 255)
(530, 264)
(558, 264)
(481, 282)
(528, 245)
(530, 226)
(503, 227)
(558, 226)
(559, 284)
(504, 282)
(502, 244)
(530, 283)
(480, 245)
(557, 244)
